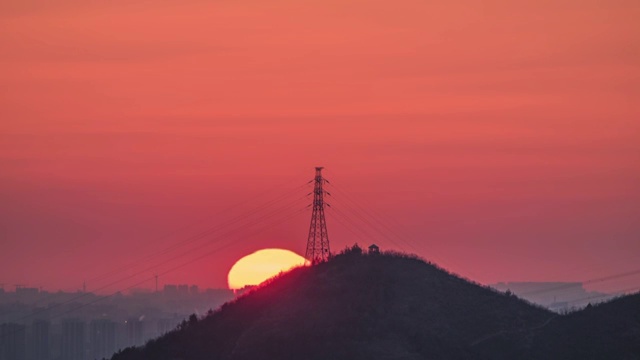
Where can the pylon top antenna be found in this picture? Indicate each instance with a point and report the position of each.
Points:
(318, 241)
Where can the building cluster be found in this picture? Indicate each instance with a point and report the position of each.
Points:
(37, 325)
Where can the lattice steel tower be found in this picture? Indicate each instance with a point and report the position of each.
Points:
(318, 240)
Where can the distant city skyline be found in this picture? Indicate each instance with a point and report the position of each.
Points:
(52, 325)
(190, 288)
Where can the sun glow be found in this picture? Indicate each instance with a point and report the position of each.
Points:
(261, 265)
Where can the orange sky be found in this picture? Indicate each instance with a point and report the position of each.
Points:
(502, 137)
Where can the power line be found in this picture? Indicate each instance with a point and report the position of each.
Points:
(190, 239)
(335, 217)
(368, 231)
(585, 282)
(371, 214)
(230, 232)
(376, 217)
(203, 256)
(210, 230)
(371, 226)
(362, 217)
(363, 213)
(625, 292)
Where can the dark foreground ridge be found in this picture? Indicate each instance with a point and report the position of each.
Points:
(394, 306)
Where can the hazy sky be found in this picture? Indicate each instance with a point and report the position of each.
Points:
(502, 137)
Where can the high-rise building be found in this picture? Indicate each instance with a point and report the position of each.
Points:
(26, 292)
(73, 339)
(12, 342)
(102, 338)
(134, 329)
(183, 289)
(170, 290)
(39, 344)
(165, 325)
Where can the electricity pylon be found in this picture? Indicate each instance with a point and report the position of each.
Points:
(318, 240)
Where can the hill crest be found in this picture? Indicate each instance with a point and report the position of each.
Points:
(360, 306)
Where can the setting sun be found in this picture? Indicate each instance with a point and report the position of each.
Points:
(261, 265)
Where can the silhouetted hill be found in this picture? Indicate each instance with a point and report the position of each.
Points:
(387, 306)
(606, 331)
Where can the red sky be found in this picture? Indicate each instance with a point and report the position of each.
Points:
(502, 137)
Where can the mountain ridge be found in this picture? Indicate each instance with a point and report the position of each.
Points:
(380, 306)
